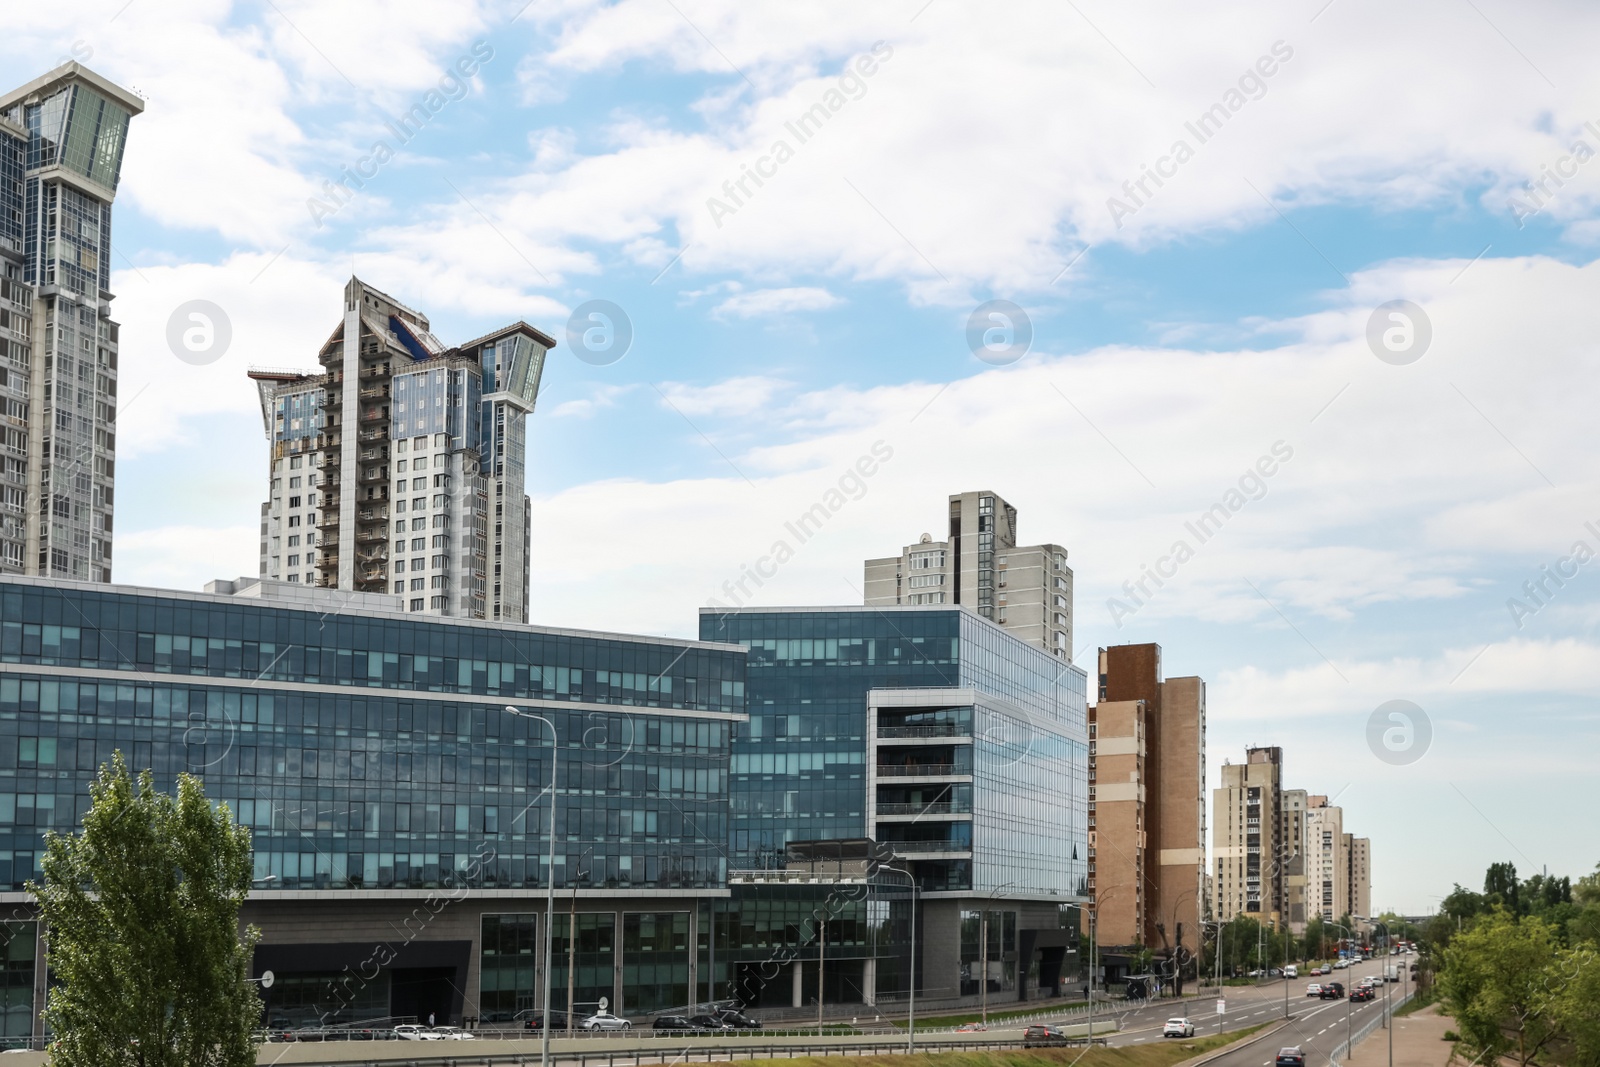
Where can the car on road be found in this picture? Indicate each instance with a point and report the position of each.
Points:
(533, 1019)
(709, 1022)
(604, 1020)
(971, 1028)
(1178, 1028)
(1361, 994)
(1332, 991)
(1291, 971)
(738, 1020)
(1291, 1057)
(454, 1033)
(1314, 990)
(412, 1032)
(672, 1022)
(1040, 1035)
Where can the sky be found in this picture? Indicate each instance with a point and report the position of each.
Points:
(1322, 268)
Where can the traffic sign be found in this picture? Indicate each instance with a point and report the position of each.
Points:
(1222, 1006)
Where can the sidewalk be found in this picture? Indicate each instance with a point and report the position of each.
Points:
(1418, 1042)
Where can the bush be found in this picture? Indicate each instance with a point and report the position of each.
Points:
(1451, 1035)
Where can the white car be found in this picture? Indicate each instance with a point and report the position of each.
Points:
(604, 1020)
(1291, 971)
(1314, 989)
(1178, 1028)
(412, 1032)
(454, 1033)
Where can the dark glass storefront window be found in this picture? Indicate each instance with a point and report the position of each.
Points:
(655, 960)
(507, 966)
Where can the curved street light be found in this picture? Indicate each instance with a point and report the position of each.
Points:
(550, 879)
(1388, 946)
(911, 1013)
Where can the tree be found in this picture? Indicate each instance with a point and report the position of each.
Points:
(141, 912)
(1498, 981)
(1500, 886)
(1574, 992)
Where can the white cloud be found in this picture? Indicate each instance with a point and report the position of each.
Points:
(761, 303)
(734, 397)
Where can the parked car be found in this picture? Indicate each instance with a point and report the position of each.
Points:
(672, 1022)
(604, 1020)
(740, 1021)
(454, 1033)
(1332, 991)
(1291, 971)
(1178, 1028)
(708, 1022)
(412, 1032)
(1042, 1036)
(1314, 989)
(1291, 1057)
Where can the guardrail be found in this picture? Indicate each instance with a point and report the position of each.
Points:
(1341, 1051)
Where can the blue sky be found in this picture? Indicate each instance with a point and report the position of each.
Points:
(1378, 161)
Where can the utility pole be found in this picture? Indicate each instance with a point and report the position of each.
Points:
(822, 948)
(983, 965)
(572, 941)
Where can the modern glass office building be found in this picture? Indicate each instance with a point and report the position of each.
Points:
(959, 748)
(399, 813)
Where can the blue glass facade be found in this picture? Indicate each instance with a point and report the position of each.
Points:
(370, 751)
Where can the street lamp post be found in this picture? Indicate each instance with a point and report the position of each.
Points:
(911, 1012)
(983, 950)
(1349, 1026)
(550, 880)
(1388, 948)
(572, 938)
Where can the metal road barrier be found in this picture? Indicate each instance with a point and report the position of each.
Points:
(1341, 1052)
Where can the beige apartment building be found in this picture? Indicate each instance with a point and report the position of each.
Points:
(1359, 893)
(1147, 818)
(1025, 588)
(1329, 860)
(1247, 838)
(1293, 818)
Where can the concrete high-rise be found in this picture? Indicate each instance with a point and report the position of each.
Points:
(1359, 881)
(1247, 837)
(1295, 858)
(1328, 867)
(400, 468)
(61, 143)
(1025, 588)
(1147, 816)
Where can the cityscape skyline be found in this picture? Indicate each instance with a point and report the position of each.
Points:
(1373, 564)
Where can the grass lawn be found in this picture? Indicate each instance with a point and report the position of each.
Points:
(1043, 1007)
(1164, 1054)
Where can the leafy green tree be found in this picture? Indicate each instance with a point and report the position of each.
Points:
(142, 917)
(1574, 992)
(1500, 886)
(1316, 933)
(1498, 980)
(1462, 905)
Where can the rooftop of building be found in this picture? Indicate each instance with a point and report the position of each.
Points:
(293, 596)
(66, 74)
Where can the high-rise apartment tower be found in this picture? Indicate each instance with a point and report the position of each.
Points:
(1247, 837)
(61, 142)
(399, 468)
(1025, 588)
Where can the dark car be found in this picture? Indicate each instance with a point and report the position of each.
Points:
(1332, 991)
(740, 1021)
(673, 1022)
(535, 1021)
(1041, 1036)
(1291, 1057)
(1361, 994)
(708, 1022)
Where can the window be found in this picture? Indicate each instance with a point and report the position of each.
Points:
(399, 566)
(417, 564)
(419, 544)
(400, 466)
(294, 540)
(418, 584)
(417, 604)
(294, 561)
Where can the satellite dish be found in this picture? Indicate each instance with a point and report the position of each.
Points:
(927, 539)
(266, 979)
(604, 1003)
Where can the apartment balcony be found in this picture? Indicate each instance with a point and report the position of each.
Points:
(366, 436)
(934, 730)
(942, 807)
(377, 555)
(375, 392)
(372, 535)
(374, 514)
(922, 770)
(373, 474)
(373, 415)
(374, 574)
(370, 454)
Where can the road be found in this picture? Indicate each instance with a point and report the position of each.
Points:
(1317, 1026)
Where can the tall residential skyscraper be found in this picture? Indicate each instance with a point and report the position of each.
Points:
(1328, 869)
(1295, 858)
(399, 468)
(1025, 588)
(1359, 893)
(1147, 812)
(61, 142)
(1247, 837)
